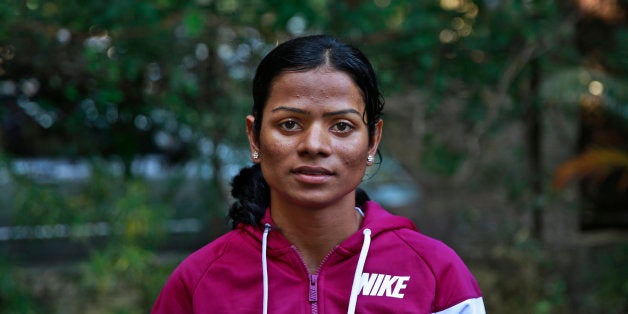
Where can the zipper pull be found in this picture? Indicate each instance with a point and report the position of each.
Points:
(313, 288)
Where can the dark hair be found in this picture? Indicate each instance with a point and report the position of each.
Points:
(300, 55)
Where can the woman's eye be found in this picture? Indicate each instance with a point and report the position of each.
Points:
(342, 127)
(289, 125)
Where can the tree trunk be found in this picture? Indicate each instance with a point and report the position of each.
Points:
(533, 120)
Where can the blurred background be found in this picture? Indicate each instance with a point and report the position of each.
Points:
(122, 122)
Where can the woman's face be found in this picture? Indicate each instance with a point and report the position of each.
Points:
(313, 142)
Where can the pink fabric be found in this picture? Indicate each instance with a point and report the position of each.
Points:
(405, 272)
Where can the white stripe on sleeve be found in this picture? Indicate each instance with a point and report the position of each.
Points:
(470, 306)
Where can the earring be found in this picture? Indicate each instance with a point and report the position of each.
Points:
(370, 159)
(256, 155)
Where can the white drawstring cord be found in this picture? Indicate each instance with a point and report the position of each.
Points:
(265, 269)
(357, 278)
(360, 211)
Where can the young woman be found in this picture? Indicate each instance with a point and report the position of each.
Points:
(305, 238)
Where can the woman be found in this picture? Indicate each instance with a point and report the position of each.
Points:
(305, 238)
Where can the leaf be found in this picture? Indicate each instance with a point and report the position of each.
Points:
(193, 23)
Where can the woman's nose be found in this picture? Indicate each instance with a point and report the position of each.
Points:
(315, 141)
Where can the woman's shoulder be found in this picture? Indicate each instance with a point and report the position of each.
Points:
(455, 282)
(195, 265)
(176, 295)
(443, 261)
(420, 241)
(439, 257)
(389, 227)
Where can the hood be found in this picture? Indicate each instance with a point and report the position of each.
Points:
(376, 218)
(379, 221)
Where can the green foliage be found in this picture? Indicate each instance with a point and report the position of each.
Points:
(127, 59)
(15, 297)
(136, 218)
(522, 278)
(40, 204)
(440, 158)
(123, 266)
(608, 280)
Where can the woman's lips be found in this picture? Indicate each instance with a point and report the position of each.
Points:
(312, 175)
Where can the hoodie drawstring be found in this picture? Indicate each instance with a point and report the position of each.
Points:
(357, 278)
(265, 269)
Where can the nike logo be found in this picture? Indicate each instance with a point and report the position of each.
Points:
(383, 285)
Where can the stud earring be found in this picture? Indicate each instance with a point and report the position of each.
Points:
(370, 159)
(256, 155)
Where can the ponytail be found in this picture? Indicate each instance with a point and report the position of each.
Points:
(252, 197)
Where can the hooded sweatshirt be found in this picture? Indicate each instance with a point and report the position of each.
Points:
(385, 267)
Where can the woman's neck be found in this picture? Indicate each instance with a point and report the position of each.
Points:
(316, 231)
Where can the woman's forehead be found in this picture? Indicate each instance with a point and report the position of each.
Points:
(316, 83)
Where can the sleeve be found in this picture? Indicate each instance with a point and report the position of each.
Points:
(469, 306)
(175, 297)
(457, 290)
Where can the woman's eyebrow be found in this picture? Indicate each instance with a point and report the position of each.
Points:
(291, 109)
(341, 112)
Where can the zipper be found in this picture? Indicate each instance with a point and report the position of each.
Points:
(313, 278)
(313, 298)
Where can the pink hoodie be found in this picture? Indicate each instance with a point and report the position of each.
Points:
(386, 267)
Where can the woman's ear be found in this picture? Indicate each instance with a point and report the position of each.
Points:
(253, 144)
(376, 138)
